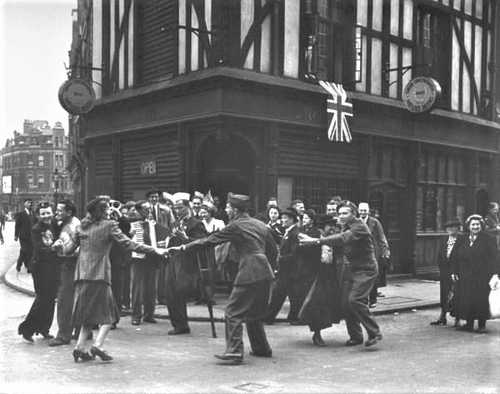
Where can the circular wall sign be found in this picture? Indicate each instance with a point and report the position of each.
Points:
(421, 94)
(76, 96)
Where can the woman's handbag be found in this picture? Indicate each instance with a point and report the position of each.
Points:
(494, 299)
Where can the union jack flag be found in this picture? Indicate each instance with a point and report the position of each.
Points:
(338, 130)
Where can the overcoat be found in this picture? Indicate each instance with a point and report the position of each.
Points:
(475, 264)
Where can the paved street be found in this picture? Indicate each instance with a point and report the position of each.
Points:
(412, 357)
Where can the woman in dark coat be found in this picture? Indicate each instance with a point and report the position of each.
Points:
(45, 276)
(475, 264)
(322, 305)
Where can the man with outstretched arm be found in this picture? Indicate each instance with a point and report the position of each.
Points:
(248, 300)
(360, 272)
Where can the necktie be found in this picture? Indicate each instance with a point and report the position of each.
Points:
(154, 212)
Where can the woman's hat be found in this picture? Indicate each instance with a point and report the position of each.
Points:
(290, 212)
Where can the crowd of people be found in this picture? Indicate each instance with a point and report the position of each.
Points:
(170, 249)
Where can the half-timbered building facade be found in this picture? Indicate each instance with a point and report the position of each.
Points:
(223, 95)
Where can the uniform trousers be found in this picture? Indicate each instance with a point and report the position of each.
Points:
(143, 283)
(65, 296)
(285, 286)
(247, 303)
(356, 289)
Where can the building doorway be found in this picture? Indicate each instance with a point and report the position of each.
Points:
(226, 164)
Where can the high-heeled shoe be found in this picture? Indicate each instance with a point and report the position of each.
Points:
(102, 354)
(82, 355)
(317, 340)
(21, 331)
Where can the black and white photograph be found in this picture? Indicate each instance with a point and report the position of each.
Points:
(249, 196)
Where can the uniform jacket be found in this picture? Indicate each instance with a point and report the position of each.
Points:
(357, 244)
(24, 223)
(254, 246)
(95, 240)
(380, 241)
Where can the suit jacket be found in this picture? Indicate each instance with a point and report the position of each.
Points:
(24, 223)
(183, 272)
(95, 240)
(254, 246)
(380, 241)
(445, 263)
(288, 250)
(357, 244)
(165, 217)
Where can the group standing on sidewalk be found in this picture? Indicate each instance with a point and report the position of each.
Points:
(328, 265)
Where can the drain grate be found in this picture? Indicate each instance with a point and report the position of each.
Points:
(250, 387)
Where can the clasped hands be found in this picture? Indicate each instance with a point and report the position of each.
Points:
(305, 240)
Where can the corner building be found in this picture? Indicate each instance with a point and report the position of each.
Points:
(220, 95)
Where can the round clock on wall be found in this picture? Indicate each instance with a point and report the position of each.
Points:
(421, 94)
(76, 96)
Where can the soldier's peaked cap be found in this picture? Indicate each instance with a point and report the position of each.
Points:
(239, 201)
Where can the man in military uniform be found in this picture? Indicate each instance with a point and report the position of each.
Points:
(360, 272)
(247, 302)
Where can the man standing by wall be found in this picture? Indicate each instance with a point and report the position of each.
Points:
(382, 251)
(22, 232)
(247, 302)
(65, 245)
(360, 272)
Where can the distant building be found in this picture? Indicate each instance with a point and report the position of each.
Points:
(36, 159)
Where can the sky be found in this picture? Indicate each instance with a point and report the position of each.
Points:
(35, 37)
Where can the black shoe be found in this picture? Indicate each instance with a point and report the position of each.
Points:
(297, 323)
(46, 335)
(235, 358)
(82, 355)
(439, 322)
(58, 342)
(373, 304)
(149, 320)
(317, 340)
(113, 326)
(27, 337)
(102, 354)
(354, 342)
(179, 331)
(373, 340)
(136, 322)
(267, 354)
(18, 269)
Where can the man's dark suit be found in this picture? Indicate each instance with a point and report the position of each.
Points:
(182, 274)
(360, 274)
(247, 302)
(445, 264)
(22, 231)
(284, 286)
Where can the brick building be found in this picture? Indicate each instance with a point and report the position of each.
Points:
(36, 159)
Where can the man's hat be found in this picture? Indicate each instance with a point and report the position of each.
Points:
(290, 212)
(452, 223)
(167, 196)
(181, 198)
(239, 201)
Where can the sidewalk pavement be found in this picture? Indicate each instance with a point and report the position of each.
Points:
(401, 294)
